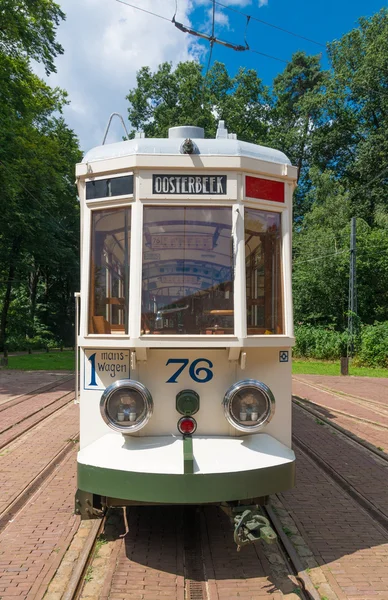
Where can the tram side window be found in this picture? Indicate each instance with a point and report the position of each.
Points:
(109, 271)
(187, 278)
(263, 272)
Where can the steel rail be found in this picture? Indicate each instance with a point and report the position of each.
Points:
(85, 559)
(344, 484)
(343, 395)
(15, 400)
(17, 503)
(300, 403)
(33, 425)
(300, 572)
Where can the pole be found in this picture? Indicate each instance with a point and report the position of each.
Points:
(352, 312)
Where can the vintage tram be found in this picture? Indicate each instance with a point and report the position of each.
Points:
(185, 328)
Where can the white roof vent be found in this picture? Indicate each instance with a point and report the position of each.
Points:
(186, 131)
(222, 132)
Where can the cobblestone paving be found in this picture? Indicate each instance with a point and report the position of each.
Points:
(24, 458)
(364, 387)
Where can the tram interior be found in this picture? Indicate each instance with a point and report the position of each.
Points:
(187, 271)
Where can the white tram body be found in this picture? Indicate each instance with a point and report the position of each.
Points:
(186, 327)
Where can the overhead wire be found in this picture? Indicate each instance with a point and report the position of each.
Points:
(211, 41)
(270, 24)
(201, 34)
(299, 262)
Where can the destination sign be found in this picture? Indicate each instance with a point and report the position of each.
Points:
(196, 185)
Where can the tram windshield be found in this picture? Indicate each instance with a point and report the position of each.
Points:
(187, 277)
(263, 272)
(109, 272)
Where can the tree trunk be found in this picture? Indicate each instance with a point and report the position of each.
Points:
(33, 294)
(7, 298)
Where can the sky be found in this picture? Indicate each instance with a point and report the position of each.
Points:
(106, 42)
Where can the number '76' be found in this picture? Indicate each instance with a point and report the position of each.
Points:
(200, 374)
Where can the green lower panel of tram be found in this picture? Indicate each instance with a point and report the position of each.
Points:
(169, 470)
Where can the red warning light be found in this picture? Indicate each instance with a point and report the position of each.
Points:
(187, 425)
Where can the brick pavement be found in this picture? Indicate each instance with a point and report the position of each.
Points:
(360, 468)
(350, 547)
(247, 574)
(24, 458)
(151, 561)
(370, 422)
(14, 383)
(19, 419)
(375, 388)
(148, 561)
(32, 546)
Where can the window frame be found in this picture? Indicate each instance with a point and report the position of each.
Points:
(105, 206)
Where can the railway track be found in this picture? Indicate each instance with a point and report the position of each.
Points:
(379, 512)
(19, 398)
(198, 561)
(22, 497)
(375, 405)
(21, 477)
(16, 423)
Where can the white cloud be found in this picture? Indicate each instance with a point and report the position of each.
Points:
(105, 44)
(263, 3)
(221, 18)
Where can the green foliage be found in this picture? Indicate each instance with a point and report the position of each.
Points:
(28, 29)
(39, 208)
(184, 96)
(327, 344)
(374, 345)
(319, 343)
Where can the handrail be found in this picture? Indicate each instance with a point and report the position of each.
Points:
(77, 296)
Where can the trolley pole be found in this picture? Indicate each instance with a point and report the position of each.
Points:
(352, 308)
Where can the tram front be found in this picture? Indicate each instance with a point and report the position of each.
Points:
(186, 322)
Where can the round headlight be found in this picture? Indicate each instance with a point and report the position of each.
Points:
(249, 405)
(126, 406)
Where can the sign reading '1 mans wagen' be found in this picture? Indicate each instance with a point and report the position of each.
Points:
(189, 184)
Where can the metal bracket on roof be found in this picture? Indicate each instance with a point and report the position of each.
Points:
(115, 114)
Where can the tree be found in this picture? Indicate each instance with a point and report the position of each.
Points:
(38, 229)
(295, 115)
(28, 30)
(353, 139)
(170, 98)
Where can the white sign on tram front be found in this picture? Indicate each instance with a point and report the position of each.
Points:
(103, 367)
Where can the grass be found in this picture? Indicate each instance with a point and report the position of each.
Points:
(316, 367)
(47, 361)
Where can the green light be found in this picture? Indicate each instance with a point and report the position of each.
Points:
(187, 402)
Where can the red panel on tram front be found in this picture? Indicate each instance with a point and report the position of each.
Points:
(264, 189)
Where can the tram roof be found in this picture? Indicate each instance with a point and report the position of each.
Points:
(221, 146)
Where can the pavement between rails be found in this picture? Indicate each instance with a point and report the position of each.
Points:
(358, 404)
(14, 384)
(20, 415)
